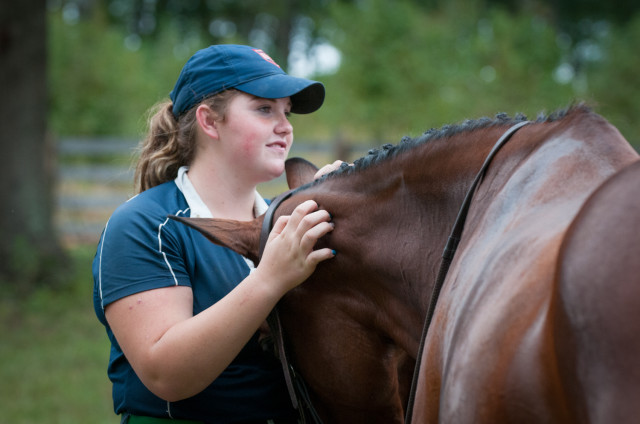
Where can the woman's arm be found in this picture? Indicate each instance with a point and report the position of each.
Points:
(175, 354)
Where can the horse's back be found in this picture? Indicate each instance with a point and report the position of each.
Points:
(597, 322)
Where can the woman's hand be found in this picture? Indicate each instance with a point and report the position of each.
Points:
(289, 258)
(328, 168)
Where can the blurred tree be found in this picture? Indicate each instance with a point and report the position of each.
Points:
(425, 68)
(568, 14)
(580, 25)
(271, 25)
(99, 86)
(29, 249)
(104, 51)
(406, 67)
(404, 64)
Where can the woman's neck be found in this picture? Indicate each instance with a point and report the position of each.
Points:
(225, 195)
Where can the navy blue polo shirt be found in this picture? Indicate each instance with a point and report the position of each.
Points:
(140, 249)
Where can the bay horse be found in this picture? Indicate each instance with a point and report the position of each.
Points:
(538, 318)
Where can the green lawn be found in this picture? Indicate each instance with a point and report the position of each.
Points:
(54, 354)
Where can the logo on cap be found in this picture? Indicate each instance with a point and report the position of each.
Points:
(266, 56)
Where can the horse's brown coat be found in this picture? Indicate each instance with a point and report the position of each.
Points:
(517, 335)
(598, 304)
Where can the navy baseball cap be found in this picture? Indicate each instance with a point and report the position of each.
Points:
(220, 67)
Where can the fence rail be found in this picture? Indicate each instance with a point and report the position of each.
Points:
(95, 177)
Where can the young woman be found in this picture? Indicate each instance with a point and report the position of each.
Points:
(181, 313)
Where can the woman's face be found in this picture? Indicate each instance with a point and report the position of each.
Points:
(256, 136)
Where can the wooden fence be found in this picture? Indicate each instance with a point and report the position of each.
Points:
(95, 175)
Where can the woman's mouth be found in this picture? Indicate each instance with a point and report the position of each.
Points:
(278, 145)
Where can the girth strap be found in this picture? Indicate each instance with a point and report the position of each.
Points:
(447, 257)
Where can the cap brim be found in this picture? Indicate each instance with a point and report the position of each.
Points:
(306, 95)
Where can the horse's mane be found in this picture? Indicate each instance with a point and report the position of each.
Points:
(387, 151)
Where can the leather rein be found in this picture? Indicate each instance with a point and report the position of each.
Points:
(298, 391)
(447, 256)
(295, 384)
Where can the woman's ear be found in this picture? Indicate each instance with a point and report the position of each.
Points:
(207, 121)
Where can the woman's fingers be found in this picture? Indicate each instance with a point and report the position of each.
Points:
(327, 168)
(279, 226)
(301, 212)
(289, 252)
(317, 256)
(310, 226)
(310, 236)
(291, 224)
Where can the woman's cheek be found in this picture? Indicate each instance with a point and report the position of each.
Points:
(249, 147)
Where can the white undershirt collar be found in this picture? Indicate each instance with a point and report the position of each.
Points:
(197, 206)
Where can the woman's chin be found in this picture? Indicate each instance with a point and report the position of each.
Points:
(274, 171)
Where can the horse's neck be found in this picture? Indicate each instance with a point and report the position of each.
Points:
(400, 214)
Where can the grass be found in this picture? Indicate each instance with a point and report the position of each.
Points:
(54, 354)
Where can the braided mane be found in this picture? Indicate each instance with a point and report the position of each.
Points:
(387, 151)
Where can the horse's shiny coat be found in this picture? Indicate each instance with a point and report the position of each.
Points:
(518, 334)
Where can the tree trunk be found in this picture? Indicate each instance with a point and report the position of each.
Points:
(28, 243)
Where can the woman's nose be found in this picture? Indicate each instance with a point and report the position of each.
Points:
(284, 126)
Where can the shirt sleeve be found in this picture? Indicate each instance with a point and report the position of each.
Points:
(137, 252)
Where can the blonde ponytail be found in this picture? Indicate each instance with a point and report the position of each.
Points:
(170, 143)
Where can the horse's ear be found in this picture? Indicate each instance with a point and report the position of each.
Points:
(242, 237)
(299, 172)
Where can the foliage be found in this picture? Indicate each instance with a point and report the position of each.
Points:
(270, 25)
(97, 85)
(405, 67)
(613, 80)
(30, 264)
(54, 353)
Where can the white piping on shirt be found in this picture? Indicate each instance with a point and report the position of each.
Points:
(104, 236)
(100, 267)
(164, 255)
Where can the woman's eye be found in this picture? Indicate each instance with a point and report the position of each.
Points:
(265, 109)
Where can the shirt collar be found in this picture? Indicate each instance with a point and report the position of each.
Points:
(197, 206)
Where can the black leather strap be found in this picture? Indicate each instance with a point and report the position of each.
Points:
(295, 383)
(447, 257)
(267, 223)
